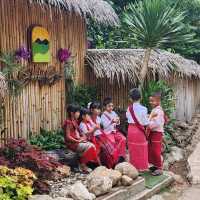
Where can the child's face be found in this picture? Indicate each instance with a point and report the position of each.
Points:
(96, 111)
(86, 117)
(109, 107)
(154, 102)
(77, 115)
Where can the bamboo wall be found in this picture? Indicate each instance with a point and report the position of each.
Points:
(39, 106)
(187, 93)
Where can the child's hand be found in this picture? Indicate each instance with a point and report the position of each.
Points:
(153, 115)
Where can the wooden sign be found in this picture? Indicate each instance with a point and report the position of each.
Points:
(40, 42)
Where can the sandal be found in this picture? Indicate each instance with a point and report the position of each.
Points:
(153, 168)
(157, 172)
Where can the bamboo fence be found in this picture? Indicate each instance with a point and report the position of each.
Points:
(39, 106)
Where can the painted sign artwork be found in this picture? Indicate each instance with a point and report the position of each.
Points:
(40, 45)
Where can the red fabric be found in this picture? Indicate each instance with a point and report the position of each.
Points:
(109, 155)
(73, 125)
(89, 156)
(138, 148)
(155, 148)
(119, 141)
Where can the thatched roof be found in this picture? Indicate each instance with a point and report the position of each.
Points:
(126, 64)
(100, 10)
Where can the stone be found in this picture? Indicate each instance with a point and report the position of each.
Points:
(63, 198)
(64, 170)
(127, 169)
(99, 185)
(101, 171)
(156, 197)
(40, 197)
(79, 192)
(64, 192)
(178, 179)
(126, 181)
(177, 153)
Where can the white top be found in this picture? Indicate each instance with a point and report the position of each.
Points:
(157, 123)
(84, 128)
(106, 121)
(141, 114)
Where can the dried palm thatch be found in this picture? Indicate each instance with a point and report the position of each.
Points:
(100, 10)
(125, 64)
(3, 86)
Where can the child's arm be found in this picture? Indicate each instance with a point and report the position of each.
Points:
(69, 137)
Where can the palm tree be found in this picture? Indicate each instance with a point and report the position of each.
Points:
(154, 24)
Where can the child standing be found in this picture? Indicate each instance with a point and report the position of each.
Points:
(137, 141)
(91, 128)
(76, 142)
(156, 126)
(109, 121)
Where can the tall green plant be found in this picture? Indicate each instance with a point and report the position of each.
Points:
(153, 24)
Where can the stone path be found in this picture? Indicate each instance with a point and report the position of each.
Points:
(194, 163)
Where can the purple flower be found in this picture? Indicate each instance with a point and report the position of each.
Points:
(22, 53)
(64, 55)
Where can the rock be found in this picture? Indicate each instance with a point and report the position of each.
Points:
(127, 169)
(64, 170)
(126, 181)
(79, 192)
(156, 197)
(177, 153)
(178, 179)
(40, 197)
(99, 185)
(63, 198)
(64, 192)
(101, 171)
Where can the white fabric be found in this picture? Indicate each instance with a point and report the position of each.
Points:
(107, 124)
(140, 113)
(84, 130)
(157, 123)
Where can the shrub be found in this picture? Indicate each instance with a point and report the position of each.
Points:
(49, 140)
(22, 154)
(16, 184)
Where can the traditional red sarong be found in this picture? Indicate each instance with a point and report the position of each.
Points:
(155, 148)
(107, 152)
(137, 144)
(118, 140)
(89, 153)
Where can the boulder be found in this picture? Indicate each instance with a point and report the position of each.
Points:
(79, 192)
(126, 181)
(40, 197)
(101, 171)
(127, 169)
(99, 185)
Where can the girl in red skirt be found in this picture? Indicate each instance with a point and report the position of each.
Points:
(91, 128)
(137, 141)
(77, 142)
(109, 121)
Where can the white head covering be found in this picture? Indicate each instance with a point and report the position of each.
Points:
(89, 104)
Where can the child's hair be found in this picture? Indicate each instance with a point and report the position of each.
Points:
(107, 100)
(95, 105)
(157, 95)
(135, 94)
(72, 108)
(84, 111)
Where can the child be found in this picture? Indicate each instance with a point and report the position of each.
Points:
(137, 141)
(91, 128)
(156, 126)
(76, 142)
(109, 121)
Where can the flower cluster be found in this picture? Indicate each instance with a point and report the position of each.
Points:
(64, 55)
(22, 53)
